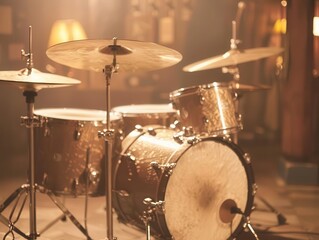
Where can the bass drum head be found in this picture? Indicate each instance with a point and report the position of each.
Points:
(209, 179)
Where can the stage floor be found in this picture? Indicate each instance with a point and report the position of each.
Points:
(298, 204)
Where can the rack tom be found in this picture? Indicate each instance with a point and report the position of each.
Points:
(207, 109)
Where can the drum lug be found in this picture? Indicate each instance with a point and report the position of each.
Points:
(154, 206)
(176, 125)
(129, 156)
(151, 131)
(255, 188)
(168, 167)
(202, 100)
(247, 158)
(178, 137)
(193, 140)
(78, 131)
(188, 131)
(239, 120)
(138, 128)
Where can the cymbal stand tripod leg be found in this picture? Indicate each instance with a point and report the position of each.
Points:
(17, 194)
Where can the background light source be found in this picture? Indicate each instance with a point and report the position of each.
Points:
(316, 26)
(66, 30)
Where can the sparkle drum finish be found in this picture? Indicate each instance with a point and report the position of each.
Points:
(207, 109)
(69, 153)
(192, 183)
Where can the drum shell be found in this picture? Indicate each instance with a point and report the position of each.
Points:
(136, 179)
(69, 152)
(207, 109)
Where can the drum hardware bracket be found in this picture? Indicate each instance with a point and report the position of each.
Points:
(29, 122)
(247, 224)
(147, 217)
(247, 158)
(78, 132)
(108, 134)
(151, 131)
(168, 167)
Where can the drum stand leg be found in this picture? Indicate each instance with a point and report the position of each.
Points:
(30, 121)
(247, 225)
(17, 194)
(280, 217)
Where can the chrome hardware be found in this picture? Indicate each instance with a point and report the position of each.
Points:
(188, 131)
(35, 121)
(193, 140)
(78, 131)
(107, 134)
(154, 206)
(176, 125)
(138, 128)
(151, 131)
(247, 158)
(255, 188)
(178, 137)
(163, 167)
(130, 157)
(202, 100)
(122, 193)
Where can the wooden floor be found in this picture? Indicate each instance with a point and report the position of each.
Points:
(281, 212)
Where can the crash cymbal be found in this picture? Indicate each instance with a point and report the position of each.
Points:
(34, 80)
(232, 57)
(131, 56)
(242, 88)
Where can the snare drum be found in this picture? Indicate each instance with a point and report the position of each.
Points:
(208, 109)
(69, 155)
(145, 114)
(191, 184)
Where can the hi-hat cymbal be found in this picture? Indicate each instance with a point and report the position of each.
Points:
(34, 80)
(233, 57)
(131, 56)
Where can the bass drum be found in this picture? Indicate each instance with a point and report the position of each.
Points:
(192, 183)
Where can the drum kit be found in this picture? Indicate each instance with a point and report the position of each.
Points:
(172, 170)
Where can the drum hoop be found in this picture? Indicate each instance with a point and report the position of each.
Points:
(196, 89)
(48, 114)
(248, 172)
(160, 112)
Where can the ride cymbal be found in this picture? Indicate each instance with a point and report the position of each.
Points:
(130, 56)
(34, 80)
(232, 57)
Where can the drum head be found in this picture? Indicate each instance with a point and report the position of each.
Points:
(76, 114)
(208, 180)
(144, 109)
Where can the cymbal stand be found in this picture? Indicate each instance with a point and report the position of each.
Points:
(108, 135)
(30, 121)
